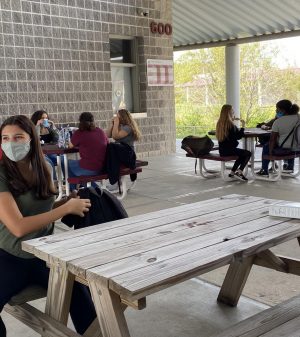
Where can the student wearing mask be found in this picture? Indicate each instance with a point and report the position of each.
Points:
(281, 139)
(27, 211)
(48, 134)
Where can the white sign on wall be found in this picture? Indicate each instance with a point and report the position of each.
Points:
(160, 72)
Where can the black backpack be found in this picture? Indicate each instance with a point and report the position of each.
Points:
(196, 146)
(105, 207)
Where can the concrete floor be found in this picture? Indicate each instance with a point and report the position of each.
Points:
(190, 309)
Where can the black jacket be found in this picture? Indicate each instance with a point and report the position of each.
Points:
(118, 154)
(105, 207)
(230, 143)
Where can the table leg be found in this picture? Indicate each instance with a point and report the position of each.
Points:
(235, 280)
(249, 144)
(59, 294)
(59, 178)
(110, 311)
(66, 174)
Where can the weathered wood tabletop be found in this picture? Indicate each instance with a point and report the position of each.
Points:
(131, 258)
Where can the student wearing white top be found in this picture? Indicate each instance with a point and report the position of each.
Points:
(281, 129)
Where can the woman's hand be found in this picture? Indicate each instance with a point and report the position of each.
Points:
(78, 206)
(265, 127)
(116, 121)
(52, 125)
(242, 123)
(40, 122)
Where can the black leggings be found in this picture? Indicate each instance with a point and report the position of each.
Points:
(17, 273)
(243, 158)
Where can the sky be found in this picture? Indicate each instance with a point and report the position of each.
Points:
(288, 55)
(289, 51)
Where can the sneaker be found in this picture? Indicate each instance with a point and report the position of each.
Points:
(240, 176)
(287, 170)
(262, 172)
(231, 175)
(285, 166)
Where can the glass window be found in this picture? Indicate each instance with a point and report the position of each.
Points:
(125, 89)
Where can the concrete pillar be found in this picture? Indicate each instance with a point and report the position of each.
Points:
(232, 66)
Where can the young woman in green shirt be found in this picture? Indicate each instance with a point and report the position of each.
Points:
(27, 210)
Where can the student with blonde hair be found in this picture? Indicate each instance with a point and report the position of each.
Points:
(124, 129)
(227, 135)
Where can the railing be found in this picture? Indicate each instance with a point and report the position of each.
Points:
(183, 131)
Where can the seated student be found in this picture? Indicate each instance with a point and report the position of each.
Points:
(47, 131)
(266, 138)
(281, 136)
(227, 135)
(92, 142)
(124, 128)
(27, 211)
(266, 126)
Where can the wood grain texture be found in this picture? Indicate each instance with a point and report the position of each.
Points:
(269, 323)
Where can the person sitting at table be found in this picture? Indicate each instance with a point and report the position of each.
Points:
(124, 128)
(91, 142)
(27, 211)
(281, 135)
(266, 126)
(125, 132)
(48, 134)
(227, 135)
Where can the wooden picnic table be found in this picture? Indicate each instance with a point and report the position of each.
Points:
(126, 260)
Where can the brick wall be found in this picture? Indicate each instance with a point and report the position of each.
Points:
(54, 55)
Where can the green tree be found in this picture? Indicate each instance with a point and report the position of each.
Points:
(200, 85)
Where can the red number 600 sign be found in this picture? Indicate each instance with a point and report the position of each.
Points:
(161, 28)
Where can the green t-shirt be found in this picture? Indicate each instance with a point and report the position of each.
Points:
(28, 205)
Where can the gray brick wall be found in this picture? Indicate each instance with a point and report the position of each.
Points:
(54, 55)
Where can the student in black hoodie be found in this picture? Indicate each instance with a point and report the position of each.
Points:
(227, 135)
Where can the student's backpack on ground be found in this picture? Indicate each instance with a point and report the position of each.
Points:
(196, 146)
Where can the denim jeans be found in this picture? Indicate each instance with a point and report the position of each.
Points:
(265, 162)
(75, 170)
(52, 160)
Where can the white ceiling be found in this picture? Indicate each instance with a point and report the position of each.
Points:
(204, 23)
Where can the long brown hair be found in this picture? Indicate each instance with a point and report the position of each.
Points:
(126, 119)
(224, 123)
(42, 179)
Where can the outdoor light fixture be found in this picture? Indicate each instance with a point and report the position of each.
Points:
(142, 12)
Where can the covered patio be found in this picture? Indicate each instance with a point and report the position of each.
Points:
(190, 308)
(170, 181)
(208, 24)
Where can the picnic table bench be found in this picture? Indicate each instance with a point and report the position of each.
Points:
(281, 320)
(278, 171)
(207, 173)
(124, 171)
(126, 260)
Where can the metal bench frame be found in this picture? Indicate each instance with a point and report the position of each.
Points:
(278, 175)
(206, 173)
(104, 177)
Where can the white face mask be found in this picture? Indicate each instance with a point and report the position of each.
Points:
(16, 151)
